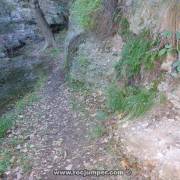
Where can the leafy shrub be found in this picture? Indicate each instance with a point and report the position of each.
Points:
(176, 66)
(124, 30)
(130, 100)
(170, 49)
(136, 52)
(84, 10)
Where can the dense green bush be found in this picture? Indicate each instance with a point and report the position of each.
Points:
(130, 100)
(84, 10)
(136, 52)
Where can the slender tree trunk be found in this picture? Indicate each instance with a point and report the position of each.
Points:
(43, 25)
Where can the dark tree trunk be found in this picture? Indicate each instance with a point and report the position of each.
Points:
(43, 25)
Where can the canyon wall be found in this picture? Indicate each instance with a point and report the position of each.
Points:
(156, 15)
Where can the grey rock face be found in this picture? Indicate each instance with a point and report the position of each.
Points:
(54, 11)
(19, 70)
(18, 76)
(18, 24)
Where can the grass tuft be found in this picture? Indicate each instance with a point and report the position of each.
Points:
(130, 100)
(97, 131)
(135, 54)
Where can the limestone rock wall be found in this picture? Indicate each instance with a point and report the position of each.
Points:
(156, 15)
(17, 23)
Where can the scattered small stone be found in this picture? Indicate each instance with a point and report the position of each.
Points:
(24, 150)
(27, 138)
(18, 147)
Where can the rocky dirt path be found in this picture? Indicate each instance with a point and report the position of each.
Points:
(61, 131)
(58, 138)
(54, 136)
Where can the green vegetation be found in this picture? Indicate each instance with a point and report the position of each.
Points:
(5, 161)
(123, 25)
(83, 62)
(101, 115)
(76, 85)
(176, 66)
(53, 52)
(135, 54)
(162, 98)
(166, 50)
(79, 68)
(15, 141)
(139, 52)
(10, 156)
(97, 131)
(169, 49)
(6, 123)
(8, 119)
(84, 12)
(77, 105)
(130, 100)
(24, 162)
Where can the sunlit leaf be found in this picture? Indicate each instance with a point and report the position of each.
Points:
(176, 64)
(162, 52)
(178, 35)
(168, 46)
(167, 34)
